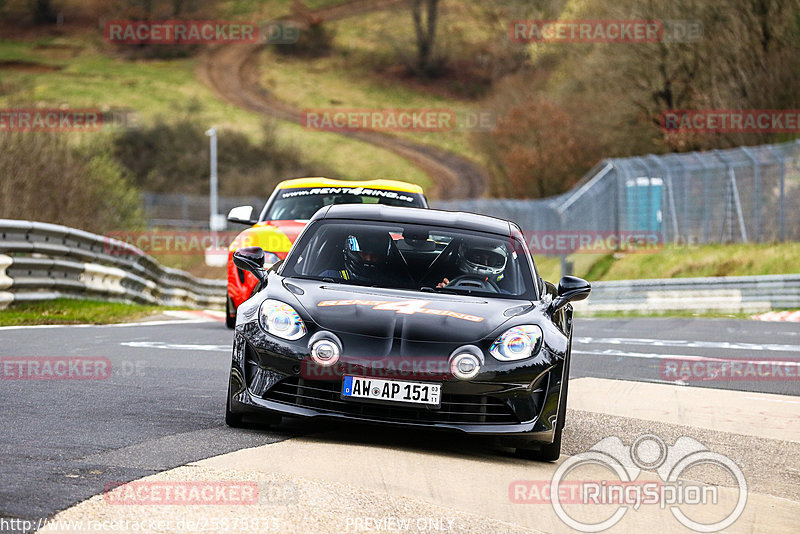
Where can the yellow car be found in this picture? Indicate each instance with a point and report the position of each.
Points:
(287, 212)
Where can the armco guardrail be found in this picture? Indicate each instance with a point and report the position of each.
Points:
(748, 294)
(41, 261)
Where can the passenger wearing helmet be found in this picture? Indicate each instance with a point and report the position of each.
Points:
(366, 259)
(483, 259)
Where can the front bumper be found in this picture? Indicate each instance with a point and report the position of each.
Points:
(517, 402)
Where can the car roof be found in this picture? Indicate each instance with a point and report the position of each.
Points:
(450, 219)
(390, 185)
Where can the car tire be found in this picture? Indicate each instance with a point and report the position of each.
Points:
(230, 318)
(550, 452)
(233, 420)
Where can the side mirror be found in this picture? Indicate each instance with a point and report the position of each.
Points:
(242, 215)
(251, 259)
(570, 288)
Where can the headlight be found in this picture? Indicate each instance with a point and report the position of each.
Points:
(517, 343)
(270, 259)
(281, 320)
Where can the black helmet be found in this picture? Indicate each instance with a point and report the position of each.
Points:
(366, 254)
(482, 257)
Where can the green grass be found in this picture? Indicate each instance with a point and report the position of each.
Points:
(153, 88)
(347, 78)
(69, 311)
(263, 11)
(681, 262)
(90, 75)
(350, 160)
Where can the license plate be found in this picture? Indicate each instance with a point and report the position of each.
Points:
(392, 390)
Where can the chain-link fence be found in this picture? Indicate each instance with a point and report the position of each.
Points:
(746, 194)
(175, 210)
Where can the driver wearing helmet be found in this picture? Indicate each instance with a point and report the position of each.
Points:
(366, 259)
(480, 259)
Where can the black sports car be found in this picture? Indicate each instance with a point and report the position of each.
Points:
(413, 317)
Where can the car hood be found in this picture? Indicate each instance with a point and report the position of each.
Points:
(412, 316)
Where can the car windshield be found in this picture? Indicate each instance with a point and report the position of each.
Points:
(413, 257)
(302, 203)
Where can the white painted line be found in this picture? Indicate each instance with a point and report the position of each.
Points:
(726, 345)
(156, 323)
(214, 315)
(176, 346)
(115, 325)
(687, 357)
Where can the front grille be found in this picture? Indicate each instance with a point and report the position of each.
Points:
(326, 396)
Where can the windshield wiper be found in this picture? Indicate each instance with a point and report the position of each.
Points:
(452, 290)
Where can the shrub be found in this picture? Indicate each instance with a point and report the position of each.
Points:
(47, 178)
(172, 157)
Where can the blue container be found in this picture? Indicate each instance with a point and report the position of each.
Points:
(644, 203)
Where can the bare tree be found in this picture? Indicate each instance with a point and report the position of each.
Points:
(425, 28)
(42, 11)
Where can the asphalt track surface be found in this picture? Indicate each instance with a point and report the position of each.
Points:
(162, 406)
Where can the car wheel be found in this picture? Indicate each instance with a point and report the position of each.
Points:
(549, 452)
(233, 420)
(230, 316)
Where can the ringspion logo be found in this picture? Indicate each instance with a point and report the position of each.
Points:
(626, 491)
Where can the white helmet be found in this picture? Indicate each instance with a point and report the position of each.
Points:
(482, 257)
